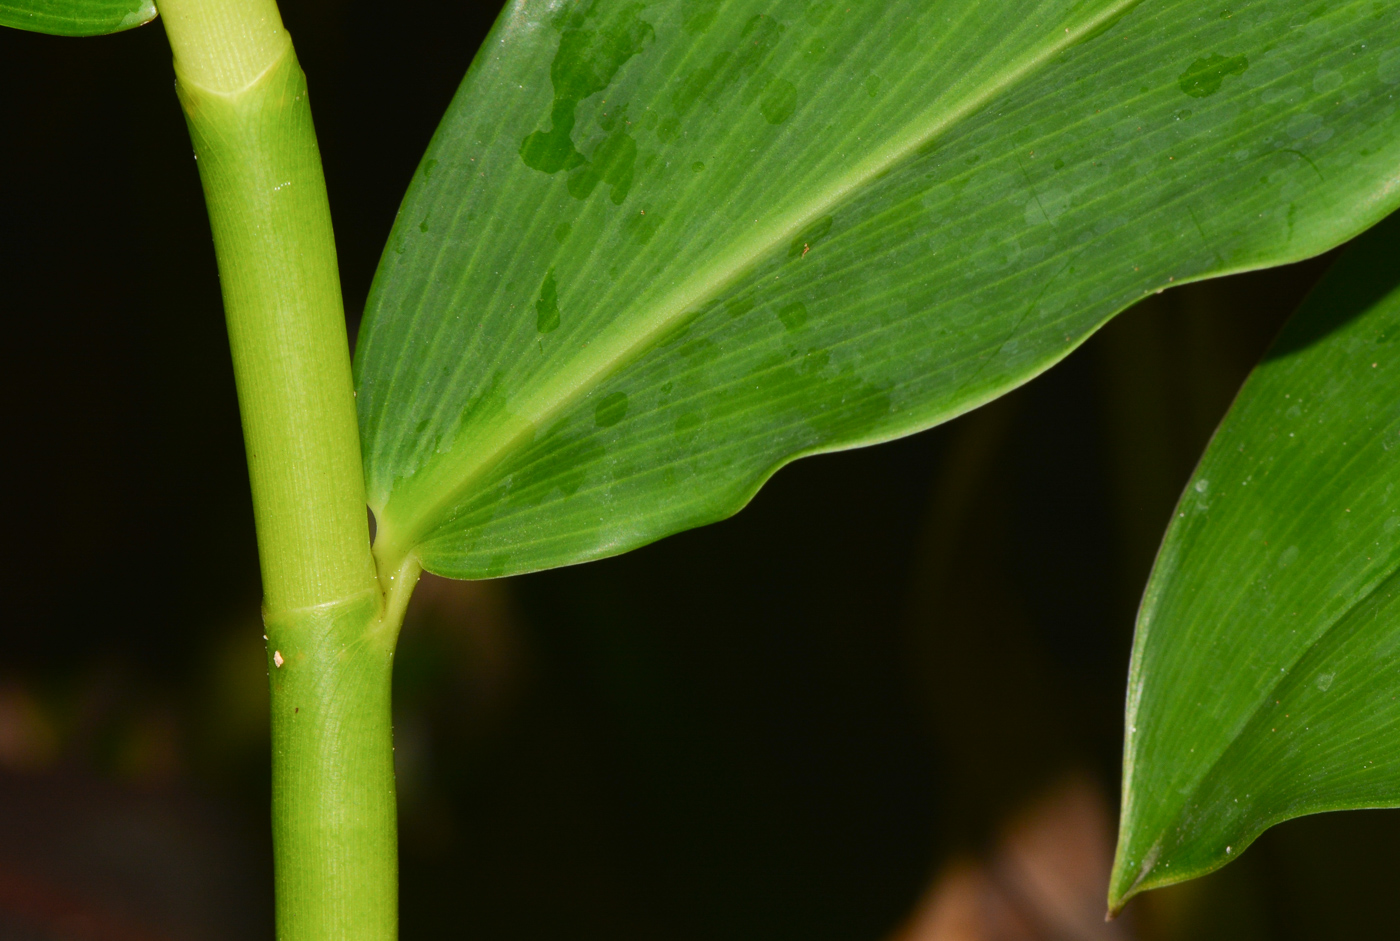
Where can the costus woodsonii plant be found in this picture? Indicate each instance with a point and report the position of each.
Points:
(657, 250)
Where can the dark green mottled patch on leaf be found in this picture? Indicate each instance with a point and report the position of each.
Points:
(779, 101)
(547, 307)
(613, 162)
(585, 64)
(697, 15)
(1205, 76)
(793, 315)
(610, 410)
(687, 425)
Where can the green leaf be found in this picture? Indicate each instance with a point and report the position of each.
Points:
(656, 251)
(76, 17)
(1263, 680)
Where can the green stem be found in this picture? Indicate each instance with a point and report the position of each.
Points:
(331, 621)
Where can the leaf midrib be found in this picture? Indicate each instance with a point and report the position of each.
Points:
(402, 531)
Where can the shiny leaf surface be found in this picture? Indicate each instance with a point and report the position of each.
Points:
(656, 251)
(1263, 682)
(76, 17)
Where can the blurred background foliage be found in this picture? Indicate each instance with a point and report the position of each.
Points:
(882, 702)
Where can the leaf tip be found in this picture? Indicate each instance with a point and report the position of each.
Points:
(1127, 879)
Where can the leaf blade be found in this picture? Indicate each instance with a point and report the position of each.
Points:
(1257, 691)
(76, 17)
(873, 201)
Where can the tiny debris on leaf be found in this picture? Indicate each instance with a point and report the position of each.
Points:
(277, 658)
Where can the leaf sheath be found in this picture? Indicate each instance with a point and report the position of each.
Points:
(331, 623)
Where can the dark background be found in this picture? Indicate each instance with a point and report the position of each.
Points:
(896, 676)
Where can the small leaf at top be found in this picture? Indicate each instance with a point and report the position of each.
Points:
(1263, 683)
(780, 227)
(76, 17)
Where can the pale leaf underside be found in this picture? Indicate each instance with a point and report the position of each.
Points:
(656, 251)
